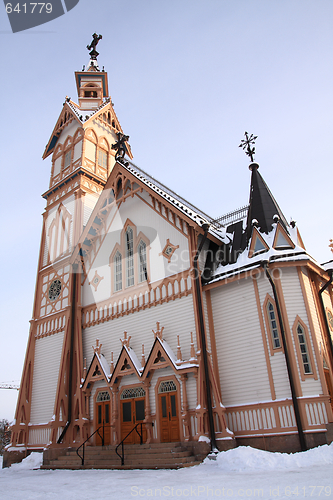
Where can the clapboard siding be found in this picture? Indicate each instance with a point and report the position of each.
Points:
(327, 303)
(312, 306)
(176, 317)
(45, 377)
(242, 364)
(191, 389)
(208, 339)
(89, 204)
(277, 360)
(295, 306)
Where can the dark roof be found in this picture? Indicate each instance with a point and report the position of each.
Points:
(263, 206)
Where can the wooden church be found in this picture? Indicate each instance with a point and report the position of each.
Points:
(149, 312)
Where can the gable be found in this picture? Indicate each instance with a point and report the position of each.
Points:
(66, 117)
(282, 240)
(258, 244)
(134, 222)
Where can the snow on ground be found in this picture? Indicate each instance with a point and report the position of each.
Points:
(243, 472)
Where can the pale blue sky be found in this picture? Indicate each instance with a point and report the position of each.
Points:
(187, 78)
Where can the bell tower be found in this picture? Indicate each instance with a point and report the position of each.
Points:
(50, 409)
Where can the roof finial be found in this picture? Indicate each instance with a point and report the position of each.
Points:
(120, 147)
(93, 54)
(246, 145)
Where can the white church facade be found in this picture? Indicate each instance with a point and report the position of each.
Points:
(148, 311)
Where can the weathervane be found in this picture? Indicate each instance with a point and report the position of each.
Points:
(120, 147)
(93, 54)
(246, 145)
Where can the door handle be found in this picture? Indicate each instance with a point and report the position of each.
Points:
(169, 416)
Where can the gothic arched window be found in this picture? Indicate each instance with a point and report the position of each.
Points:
(142, 257)
(304, 349)
(129, 257)
(273, 325)
(118, 276)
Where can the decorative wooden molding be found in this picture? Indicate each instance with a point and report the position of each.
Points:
(96, 280)
(168, 250)
(137, 299)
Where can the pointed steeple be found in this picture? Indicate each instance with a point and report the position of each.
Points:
(263, 206)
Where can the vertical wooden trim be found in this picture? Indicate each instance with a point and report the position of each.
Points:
(315, 286)
(312, 330)
(291, 349)
(212, 338)
(264, 340)
(78, 216)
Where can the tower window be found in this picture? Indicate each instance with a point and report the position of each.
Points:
(129, 257)
(304, 349)
(273, 326)
(102, 158)
(68, 157)
(142, 254)
(118, 281)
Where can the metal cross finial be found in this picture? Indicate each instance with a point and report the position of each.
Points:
(120, 147)
(246, 145)
(93, 54)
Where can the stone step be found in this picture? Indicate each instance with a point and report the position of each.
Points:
(145, 446)
(130, 456)
(142, 451)
(121, 467)
(152, 456)
(101, 464)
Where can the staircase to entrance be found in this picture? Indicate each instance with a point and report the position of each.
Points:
(136, 456)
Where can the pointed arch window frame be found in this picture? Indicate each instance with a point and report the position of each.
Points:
(68, 149)
(309, 350)
(269, 327)
(121, 248)
(102, 150)
(57, 229)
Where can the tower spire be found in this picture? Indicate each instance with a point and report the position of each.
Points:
(262, 205)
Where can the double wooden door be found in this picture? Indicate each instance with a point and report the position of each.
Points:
(103, 421)
(132, 413)
(169, 418)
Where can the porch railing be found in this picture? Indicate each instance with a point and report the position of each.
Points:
(91, 435)
(135, 428)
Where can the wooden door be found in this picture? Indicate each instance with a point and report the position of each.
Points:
(103, 417)
(132, 412)
(169, 418)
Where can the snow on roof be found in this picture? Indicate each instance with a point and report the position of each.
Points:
(246, 263)
(85, 114)
(328, 265)
(134, 359)
(104, 365)
(175, 199)
(172, 356)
